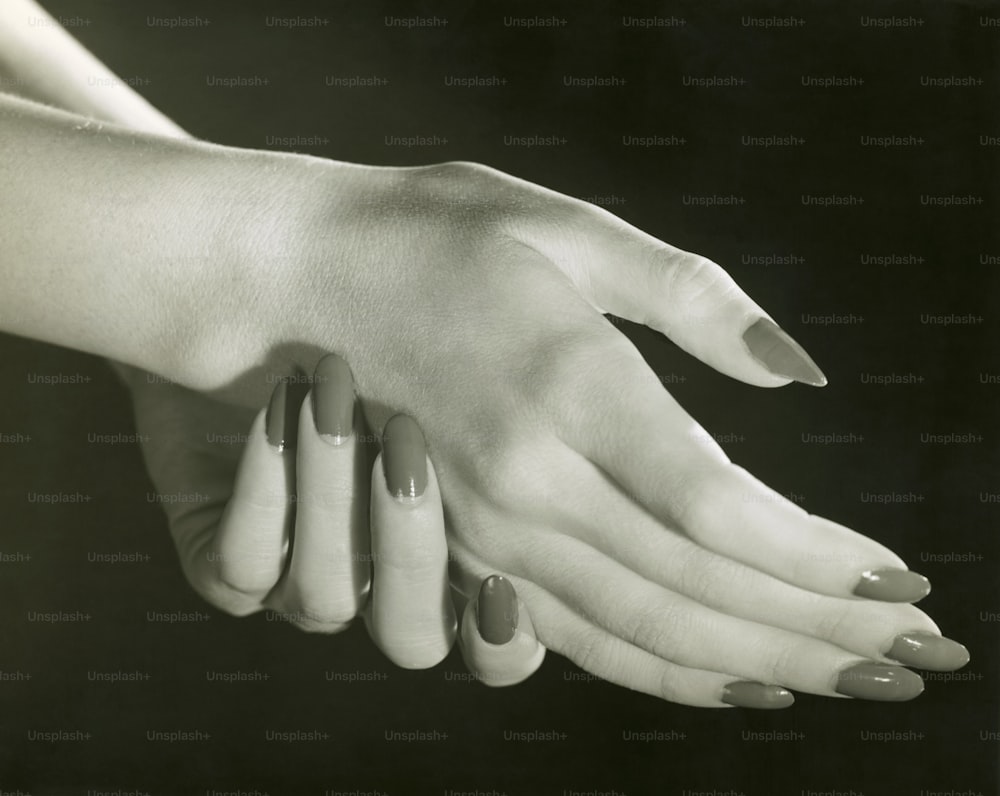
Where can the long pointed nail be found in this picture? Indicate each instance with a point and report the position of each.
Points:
(928, 651)
(779, 353)
(333, 399)
(497, 610)
(404, 457)
(748, 694)
(893, 585)
(882, 682)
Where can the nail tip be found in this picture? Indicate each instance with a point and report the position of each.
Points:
(333, 398)
(780, 354)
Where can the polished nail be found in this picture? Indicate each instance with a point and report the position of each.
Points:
(333, 399)
(879, 681)
(274, 420)
(497, 610)
(282, 417)
(748, 694)
(893, 585)
(404, 457)
(928, 651)
(779, 353)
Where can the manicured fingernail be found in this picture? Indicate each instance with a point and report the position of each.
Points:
(748, 694)
(928, 651)
(879, 681)
(497, 610)
(276, 414)
(404, 457)
(893, 585)
(780, 354)
(333, 399)
(282, 418)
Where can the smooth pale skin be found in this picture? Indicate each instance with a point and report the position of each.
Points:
(472, 301)
(243, 548)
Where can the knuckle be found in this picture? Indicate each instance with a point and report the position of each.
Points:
(659, 629)
(685, 276)
(517, 475)
(697, 579)
(784, 662)
(590, 652)
(834, 621)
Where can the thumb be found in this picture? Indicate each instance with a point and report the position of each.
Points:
(687, 297)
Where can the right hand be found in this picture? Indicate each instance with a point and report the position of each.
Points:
(472, 301)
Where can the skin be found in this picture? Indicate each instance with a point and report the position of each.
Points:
(473, 302)
(243, 526)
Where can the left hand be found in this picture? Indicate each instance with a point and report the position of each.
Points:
(278, 518)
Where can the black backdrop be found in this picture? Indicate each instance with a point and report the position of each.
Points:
(894, 296)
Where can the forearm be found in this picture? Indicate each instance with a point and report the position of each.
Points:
(188, 285)
(123, 244)
(41, 61)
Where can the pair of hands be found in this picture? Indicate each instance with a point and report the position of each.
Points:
(473, 301)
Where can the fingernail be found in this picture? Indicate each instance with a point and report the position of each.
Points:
(282, 417)
(893, 585)
(779, 353)
(748, 694)
(404, 457)
(879, 681)
(928, 651)
(275, 418)
(333, 399)
(497, 610)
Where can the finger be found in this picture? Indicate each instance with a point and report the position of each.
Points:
(327, 578)
(497, 638)
(246, 555)
(678, 629)
(876, 630)
(664, 461)
(611, 658)
(412, 618)
(687, 297)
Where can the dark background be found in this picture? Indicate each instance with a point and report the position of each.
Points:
(948, 531)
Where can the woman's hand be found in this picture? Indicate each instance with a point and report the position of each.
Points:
(279, 518)
(472, 301)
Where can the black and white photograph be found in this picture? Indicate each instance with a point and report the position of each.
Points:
(499, 399)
